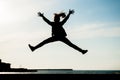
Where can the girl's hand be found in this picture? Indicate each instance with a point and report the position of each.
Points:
(71, 11)
(40, 14)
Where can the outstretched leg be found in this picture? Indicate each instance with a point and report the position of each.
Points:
(51, 39)
(66, 41)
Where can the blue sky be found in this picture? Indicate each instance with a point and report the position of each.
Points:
(95, 26)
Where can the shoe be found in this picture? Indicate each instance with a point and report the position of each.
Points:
(31, 47)
(84, 51)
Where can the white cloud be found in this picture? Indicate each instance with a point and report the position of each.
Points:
(95, 31)
(13, 11)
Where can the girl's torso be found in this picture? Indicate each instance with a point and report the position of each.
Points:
(57, 29)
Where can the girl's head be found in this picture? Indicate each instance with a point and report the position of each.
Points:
(57, 16)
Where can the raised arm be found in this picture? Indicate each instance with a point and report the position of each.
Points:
(66, 18)
(44, 18)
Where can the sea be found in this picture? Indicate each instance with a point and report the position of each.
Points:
(66, 71)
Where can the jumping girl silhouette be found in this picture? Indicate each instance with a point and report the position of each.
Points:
(58, 32)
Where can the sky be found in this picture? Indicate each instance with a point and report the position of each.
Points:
(95, 26)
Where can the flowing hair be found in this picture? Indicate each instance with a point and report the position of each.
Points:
(57, 16)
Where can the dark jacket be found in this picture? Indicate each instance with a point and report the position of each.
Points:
(57, 27)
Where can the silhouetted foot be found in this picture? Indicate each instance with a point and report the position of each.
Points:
(31, 47)
(84, 51)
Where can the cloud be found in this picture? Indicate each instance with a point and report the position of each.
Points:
(13, 11)
(96, 31)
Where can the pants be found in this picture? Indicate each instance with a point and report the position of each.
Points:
(63, 39)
